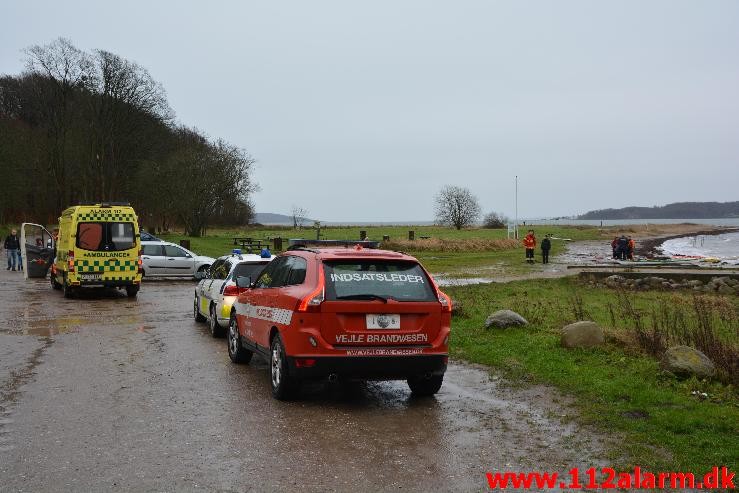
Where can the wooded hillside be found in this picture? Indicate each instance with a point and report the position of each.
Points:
(85, 127)
(677, 210)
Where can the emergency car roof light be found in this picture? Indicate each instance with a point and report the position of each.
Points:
(236, 251)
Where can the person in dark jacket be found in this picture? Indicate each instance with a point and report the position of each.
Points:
(622, 250)
(13, 250)
(546, 245)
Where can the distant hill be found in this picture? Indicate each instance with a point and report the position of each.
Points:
(678, 210)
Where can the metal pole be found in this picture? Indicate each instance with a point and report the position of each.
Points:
(515, 226)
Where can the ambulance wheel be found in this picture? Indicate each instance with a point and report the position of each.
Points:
(69, 291)
(236, 351)
(284, 387)
(215, 329)
(196, 313)
(422, 386)
(54, 283)
(132, 291)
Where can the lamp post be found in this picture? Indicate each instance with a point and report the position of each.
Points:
(515, 226)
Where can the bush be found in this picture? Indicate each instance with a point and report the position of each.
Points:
(494, 220)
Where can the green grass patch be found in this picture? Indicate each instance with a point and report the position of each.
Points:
(617, 387)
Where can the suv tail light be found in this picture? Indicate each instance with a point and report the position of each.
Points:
(446, 302)
(70, 260)
(316, 297)
(141, 261)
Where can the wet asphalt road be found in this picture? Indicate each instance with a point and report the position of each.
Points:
(110, 394)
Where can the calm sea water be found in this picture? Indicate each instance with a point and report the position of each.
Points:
(725, 246)
(574, 222)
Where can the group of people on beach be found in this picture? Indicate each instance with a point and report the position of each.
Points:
(623, 247)
(529, 243)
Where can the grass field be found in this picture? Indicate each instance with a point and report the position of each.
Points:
(617, 387)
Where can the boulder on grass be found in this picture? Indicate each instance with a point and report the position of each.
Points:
(505, 318)
(685, 361)
(582, 334)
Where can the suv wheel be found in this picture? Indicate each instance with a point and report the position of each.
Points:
(422, 386)
(132, 291)
(215, 329)
(236, 351)
(284, 387)
(196, 312)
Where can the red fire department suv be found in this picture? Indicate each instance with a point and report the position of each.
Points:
(354, 313)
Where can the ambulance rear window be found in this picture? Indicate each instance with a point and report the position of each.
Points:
(105, 236)
(377, 279)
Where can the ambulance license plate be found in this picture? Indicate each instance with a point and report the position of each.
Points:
(383, 321)
(92, 276)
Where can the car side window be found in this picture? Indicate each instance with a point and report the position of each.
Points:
(213, 271)
(223, 270)
(275, 274)
(152, 250)
(174, 251)
(298, 266)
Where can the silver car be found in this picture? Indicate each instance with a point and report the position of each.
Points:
(162, 258)
(217, 290)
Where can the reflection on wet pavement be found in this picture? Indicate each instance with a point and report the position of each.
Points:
(105, 392)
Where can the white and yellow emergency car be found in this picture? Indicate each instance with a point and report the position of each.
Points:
(98, 246)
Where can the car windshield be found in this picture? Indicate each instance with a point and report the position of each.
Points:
(377, 280)
(105, 236)
(249, 270)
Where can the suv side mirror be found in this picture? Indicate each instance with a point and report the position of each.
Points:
(243, 282)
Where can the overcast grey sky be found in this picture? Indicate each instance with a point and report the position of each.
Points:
(362, 111)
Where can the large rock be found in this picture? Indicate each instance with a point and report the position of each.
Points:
(505, 318)
(685, 361)
(582, 334)
(615, 281)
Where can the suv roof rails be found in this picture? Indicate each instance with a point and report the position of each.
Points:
(332, 243)
(300, 247)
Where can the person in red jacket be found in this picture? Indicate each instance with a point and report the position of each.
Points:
(529, 243)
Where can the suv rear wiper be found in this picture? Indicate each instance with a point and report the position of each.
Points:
(366, 296)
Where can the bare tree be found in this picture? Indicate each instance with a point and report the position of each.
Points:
(67, 69)
(299, 215)
(456, 206)
(125, 102)
(204, 179)
(494, 220)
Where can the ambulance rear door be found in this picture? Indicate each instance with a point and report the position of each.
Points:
(37, 250)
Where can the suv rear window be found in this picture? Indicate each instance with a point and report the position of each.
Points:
(377, 279)
(105, 236)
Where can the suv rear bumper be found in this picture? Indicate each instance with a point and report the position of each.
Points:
(370, 368)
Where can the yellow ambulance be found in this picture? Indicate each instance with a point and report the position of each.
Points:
(98, 246)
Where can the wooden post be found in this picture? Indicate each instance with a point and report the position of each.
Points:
(385, 237)
(278, 244)
(185, 244)
(411, 235)
(362, 235)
